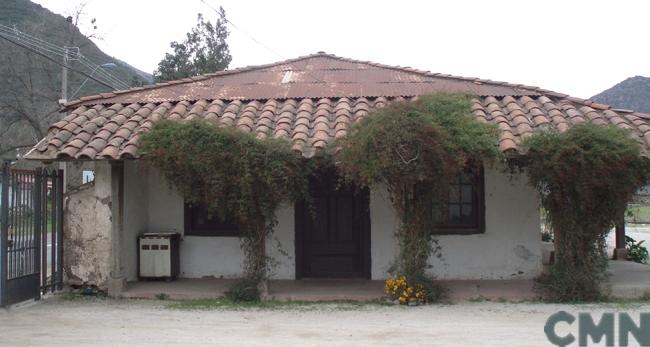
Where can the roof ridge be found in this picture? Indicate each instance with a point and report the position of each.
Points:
(440, 75)
(293, 60)
(191, 79)
(406, 69)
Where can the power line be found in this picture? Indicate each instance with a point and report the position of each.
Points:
(50, 48)
(259, 42)
(21, 35)
(37, 45)
(56, 62)
(107, 75)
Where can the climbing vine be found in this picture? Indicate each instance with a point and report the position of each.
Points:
(416, 149)
(233, 174)
(585, 177)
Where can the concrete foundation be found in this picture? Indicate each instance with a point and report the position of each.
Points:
(325, 289)
(620, 254)
(627, 280)
(116, 287)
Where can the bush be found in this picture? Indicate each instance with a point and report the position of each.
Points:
(563, 284)
(244, 290)
(416, 149)
(585, 177)
(232, 174)
(636, 251)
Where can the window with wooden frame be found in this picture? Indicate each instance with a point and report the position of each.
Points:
(198, 222)
(462, 209)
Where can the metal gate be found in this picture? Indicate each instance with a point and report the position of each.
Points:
(31, 233)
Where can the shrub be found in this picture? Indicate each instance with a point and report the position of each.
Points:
(636, 251)
(231, 173)
(416, 149)
(585, 177)
(564, 284)
(244, 290)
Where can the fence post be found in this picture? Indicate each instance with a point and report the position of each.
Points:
(38, 218)
(54, 195)
(59, 229)
(4, 231)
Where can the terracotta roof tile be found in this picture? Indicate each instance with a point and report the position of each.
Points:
(321, 98)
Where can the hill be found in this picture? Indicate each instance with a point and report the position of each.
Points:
(633, 93)
(32, 84)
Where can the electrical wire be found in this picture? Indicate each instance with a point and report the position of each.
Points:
(259, 42)
(56, 62)
(59, 52)
(45, 46)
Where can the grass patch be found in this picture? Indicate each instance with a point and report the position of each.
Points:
(162, 296)
(227, 304)
(77, 296)
(643, 300)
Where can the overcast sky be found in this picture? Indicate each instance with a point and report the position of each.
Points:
(574, 47)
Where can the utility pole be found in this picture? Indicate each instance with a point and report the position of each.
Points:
(64, 77)
(64, 91)
(64, 68)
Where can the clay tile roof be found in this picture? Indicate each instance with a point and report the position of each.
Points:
(309, 100)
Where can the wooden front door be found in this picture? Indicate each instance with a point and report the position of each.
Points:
(333, 236)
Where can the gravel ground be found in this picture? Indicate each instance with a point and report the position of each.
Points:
(58, 322)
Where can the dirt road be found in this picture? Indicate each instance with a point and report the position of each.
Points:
(57, 322)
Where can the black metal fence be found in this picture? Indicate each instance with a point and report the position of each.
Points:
(31, 233)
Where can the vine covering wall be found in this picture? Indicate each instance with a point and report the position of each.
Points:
(233, 174)
(416, 149)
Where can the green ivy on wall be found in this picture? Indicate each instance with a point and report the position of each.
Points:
(233, 174)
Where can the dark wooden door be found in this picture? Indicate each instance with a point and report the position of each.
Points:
(333, 235)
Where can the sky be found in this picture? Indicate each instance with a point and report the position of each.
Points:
(575, 47)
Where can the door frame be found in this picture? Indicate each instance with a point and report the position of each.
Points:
(362, 198)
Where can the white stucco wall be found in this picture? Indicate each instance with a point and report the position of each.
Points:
(136, 215)
(219, 256)
(510, 248)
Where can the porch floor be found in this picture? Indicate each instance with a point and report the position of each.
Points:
(628, 280)
(323, 289)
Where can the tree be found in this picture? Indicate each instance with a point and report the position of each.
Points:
(28, 98)
(204, 50)
(31, 84)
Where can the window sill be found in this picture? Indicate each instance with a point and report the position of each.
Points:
(457, 231)
(213, 233)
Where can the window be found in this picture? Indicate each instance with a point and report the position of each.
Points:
(87, 176)
(462, 209)
(198, 222)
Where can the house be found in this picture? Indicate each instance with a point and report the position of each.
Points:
(491, 229)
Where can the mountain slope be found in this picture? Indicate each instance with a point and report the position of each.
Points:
(633, 93)
(32, 84)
